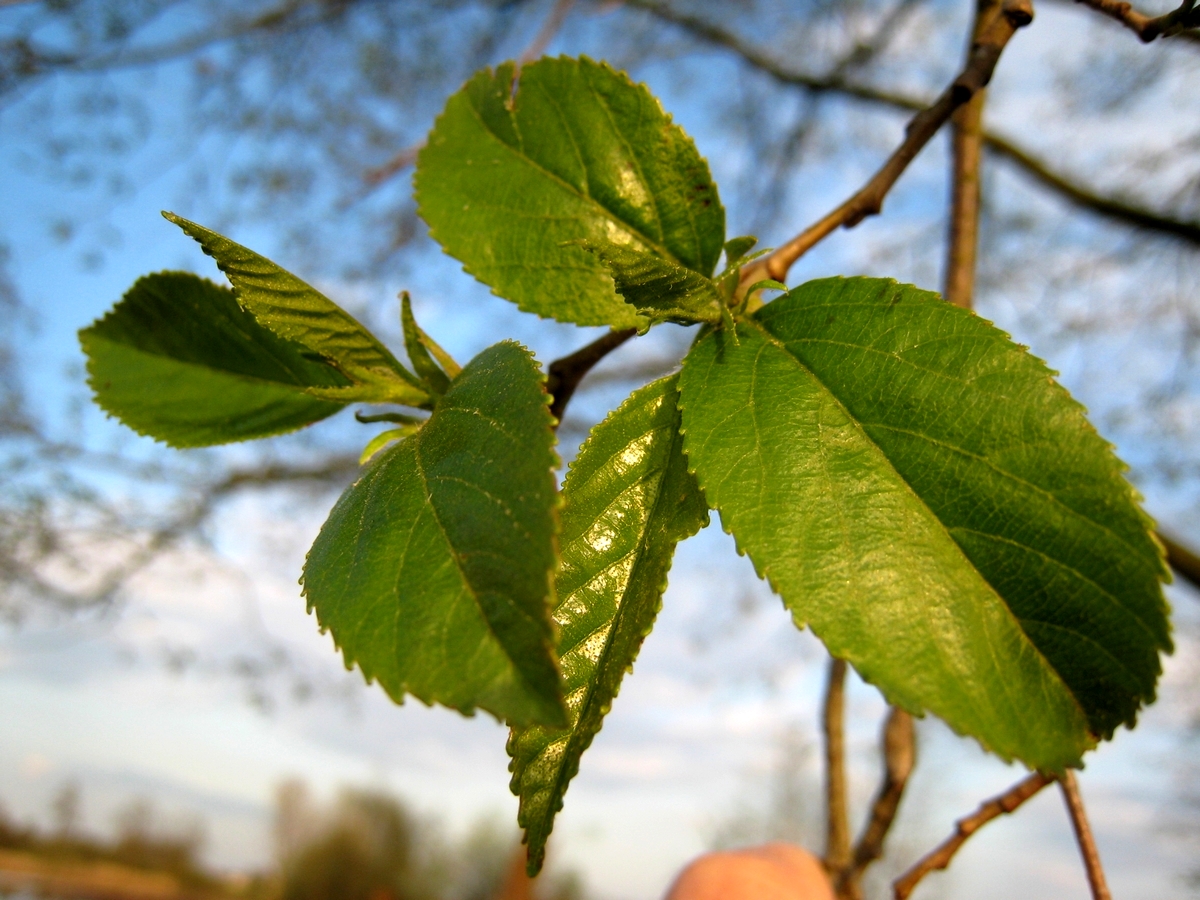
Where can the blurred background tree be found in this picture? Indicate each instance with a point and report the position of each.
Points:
(293, 125)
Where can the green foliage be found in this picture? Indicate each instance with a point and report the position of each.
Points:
(417, 343)
(579, 152)
(287, 306)
(180, 361)
(921, 492)
(661, 291)
(628, 500)
(434, 570)
(915, 486)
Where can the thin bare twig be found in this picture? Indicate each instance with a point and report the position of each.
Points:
(563, 375)
(1117, 210)
(868, 201)
(1181, 559)
(1080, 195)
(940, 857)
(1177, 22)
(289, 17)
(550, 28)
(966, 152)
(837, 825)
(398, 163)
(899, 757)
(408, 156)
(1083, 834)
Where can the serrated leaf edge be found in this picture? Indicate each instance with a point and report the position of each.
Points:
(493, 72)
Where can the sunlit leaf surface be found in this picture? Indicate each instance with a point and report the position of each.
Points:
(579, 152)
(628, 501)
(434, 571)
(180, 361)
(924, 495)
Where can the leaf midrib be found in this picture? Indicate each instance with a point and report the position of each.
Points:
(772, 339)
(228, 373)
(1010, 476)
(209, 239)
(1134, 551)
(568, 188)
(639, 553)
(1058, 562)
(469, 588)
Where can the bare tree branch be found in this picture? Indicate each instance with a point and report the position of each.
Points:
(408, 156)
(899, 757)
(285, 18)
(941, 856)
(1124, 211)
(1177, 22)
(868, 201)
(186, 520)
(837, 825)
(1083, 834)
(1181, 559)
(563, 375)
(551, 27)
(966, 151)
(398, 163)
(1118, 210)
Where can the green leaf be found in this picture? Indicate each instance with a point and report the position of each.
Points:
(434, 571)
(767, 284)
(923, 494)
(180, 361)
(383, 439)
(628, 500)
(658, 289)
(283, 303)
(737, 255)
(737, 248)
(435, 379)
(579, 152)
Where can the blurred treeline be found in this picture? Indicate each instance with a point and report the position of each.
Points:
(366, 845)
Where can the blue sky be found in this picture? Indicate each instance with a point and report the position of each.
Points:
(694, 734)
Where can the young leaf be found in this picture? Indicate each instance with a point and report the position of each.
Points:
(283, 303)
(434, 570)
(736, 249)
(658, 289)
(383, 439)
(628, 500)
(435, 379)
(580, 152)
(180, 361)
(925, 496)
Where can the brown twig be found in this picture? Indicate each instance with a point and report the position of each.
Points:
(966, 152)
(1181, 559)
(563, 375)
(554, 22)
(1083, 834)
(940, 857)
(985, 53)
(899, 757)
(1176, 22)
(399, 162)
(1117, 210)
(837, 826)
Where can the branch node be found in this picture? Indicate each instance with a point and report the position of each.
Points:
(940, 856)
(1018, 12)
(563, 375)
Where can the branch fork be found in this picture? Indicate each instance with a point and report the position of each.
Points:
(868, 201)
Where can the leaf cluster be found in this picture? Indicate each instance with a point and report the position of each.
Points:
(916, 487)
